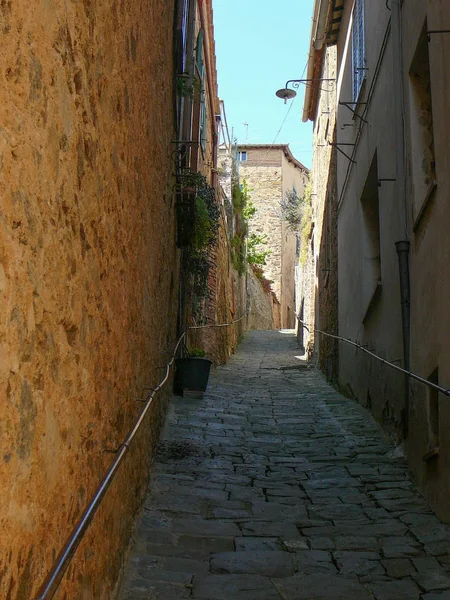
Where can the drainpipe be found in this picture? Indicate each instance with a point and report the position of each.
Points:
(405, 301)
(209, 55)
(397, 52)
(401, 246)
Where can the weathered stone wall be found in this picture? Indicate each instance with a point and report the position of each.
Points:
(225, 305)
(88, 285)
(327, 296)
(293, 178)
(265, 189)
(306, 302)
(324, 202)
(260, 304)
(269, 175)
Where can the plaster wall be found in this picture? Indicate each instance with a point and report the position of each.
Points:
(430, 256)
(292, 177)
(88, 275)
(370, 313)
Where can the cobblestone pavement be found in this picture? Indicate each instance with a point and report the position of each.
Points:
(273, 486)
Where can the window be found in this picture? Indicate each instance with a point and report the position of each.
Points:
(358, 55)
(422, 139)
(242, 155)
(201, 76)
(371, 255)
(199, 113)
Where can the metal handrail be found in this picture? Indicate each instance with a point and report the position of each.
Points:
(430, 384)
(55, 575)
(218, 325)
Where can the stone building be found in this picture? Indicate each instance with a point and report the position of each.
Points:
(223, 314)
(319, 272)
(94, 101)
(271, 171)
(389, 157)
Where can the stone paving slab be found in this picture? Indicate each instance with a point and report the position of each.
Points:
(275, 487)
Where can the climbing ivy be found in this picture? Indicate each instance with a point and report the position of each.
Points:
(197, 259)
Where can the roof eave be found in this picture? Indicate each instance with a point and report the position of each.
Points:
(323, 33)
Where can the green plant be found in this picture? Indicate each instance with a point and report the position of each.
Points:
(239, 196)
(291, 209)
(186, 85)
(197, 258)
(248, 210)
(255, 254)
(246, 249)
(305, 223)
(197, 353)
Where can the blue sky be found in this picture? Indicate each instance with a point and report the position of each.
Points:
(260, 44)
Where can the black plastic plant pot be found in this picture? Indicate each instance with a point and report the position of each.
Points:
(191, 376)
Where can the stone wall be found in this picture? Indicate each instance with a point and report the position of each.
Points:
(324, 201)
(225, 305)
(260, 304)
(265, 189)
(270, 172)
(88, 283)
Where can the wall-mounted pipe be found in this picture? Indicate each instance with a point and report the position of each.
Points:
(402, 248)
(402, 212)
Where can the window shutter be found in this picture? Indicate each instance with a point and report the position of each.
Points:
(201, 71)
(199, 53)
(358, 58)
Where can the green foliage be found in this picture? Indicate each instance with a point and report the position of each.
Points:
(246, 250)
(197, 353)
(186, 86)
(204, 232)
(207, 212)
(291, 210)
(255, 254)
(196, 260)
(305, 224)
(238, 253)
(240, 197)
(248, 210)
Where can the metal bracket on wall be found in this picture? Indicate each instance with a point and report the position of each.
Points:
(349, 105)
(336, 145)
(432, 31)
(380, 181)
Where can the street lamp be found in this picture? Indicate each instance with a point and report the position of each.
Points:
(287, 93)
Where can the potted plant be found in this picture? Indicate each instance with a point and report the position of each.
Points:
(192, 374)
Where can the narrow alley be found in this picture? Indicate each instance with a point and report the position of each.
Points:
(274, 486)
